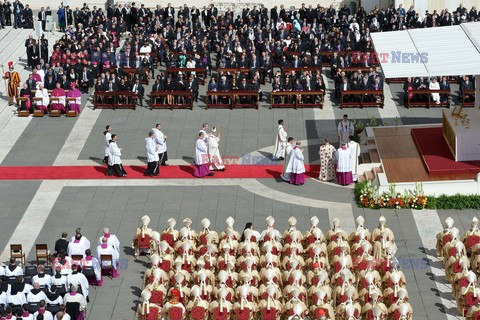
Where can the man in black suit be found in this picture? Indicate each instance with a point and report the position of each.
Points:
(86, 79)
(139, 91)
(61, 244)
(444, 85)
(467, 85)
(42, 16)
(17, 14)
(192, 85)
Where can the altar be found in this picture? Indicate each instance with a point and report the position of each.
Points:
(462, 133)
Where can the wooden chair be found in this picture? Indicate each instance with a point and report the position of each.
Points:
(77, 257)
(22, 113)
(54, 113)
(106, 258)
(71, 113)
(41, 252)
(37, 113)
(16, 251)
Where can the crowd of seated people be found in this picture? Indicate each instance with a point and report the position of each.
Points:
(359, 81)
(206, 274)
(298, 81)
(460, 255)
(62, 289)
(436, 83)
(257, 39)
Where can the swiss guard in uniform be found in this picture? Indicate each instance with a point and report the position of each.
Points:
(13, 78)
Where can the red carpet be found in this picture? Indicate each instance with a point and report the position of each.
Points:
(136, 172)
(436, 154)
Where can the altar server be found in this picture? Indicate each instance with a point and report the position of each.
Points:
(296, 165)
(280, 142)
(115, 166)
(201, 157)
(108, 136)
(204, 129)
(344, 166)
(354, 155)
(152, 155)
(78, 279)
(161, 144)
(216, 162)
(91, 261)
(288, 154)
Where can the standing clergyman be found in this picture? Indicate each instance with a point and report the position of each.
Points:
(296, 165)
(280, 142)
(216, 162)
(344, 169)
(161, 142)
(152, 155)
(288, 154)
(345, 130)
(354, 155)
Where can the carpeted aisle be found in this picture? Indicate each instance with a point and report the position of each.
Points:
(136, 172)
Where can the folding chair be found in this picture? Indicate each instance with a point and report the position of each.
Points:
(107, 258)
(41, 252)
(16, 251)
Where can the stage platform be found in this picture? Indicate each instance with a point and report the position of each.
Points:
(403, 163)
(437, 156)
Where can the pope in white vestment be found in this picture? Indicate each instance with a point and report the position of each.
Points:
(216, 162)
(355, 154)
(280, 142)
(434, 85)
(296, 165)
(42, 93)
(345, 129)
(288, 153)
(344, 166)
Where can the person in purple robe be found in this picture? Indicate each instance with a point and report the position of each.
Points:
(74, 93)
(59, 93)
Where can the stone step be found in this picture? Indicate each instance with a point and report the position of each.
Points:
(374, 157)
(366, 158)
(369, 175)
(377, 170)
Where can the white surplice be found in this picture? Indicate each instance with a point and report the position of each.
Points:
(201, 152)
(109, 250)
(160, 141)
(152, 155)
(108, 137)
(288, 155)
(111, 240)
(114, 154)
(76, 248)
(355, 154)
(344, 163)
(79, 280)
(280, 143)
(296, 163)
(345, 130)
(216, 162)
(93, 262)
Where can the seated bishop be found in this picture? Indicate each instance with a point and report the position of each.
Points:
(111, 239)
(106, 249)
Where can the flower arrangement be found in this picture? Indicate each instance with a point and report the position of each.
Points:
(368, 197)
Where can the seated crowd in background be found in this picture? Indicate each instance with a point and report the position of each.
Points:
(255, 41)
(436, 83)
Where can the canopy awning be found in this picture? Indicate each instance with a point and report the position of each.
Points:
(442, 51)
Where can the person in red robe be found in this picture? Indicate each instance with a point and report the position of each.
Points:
(74, 93)
(59, 93)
